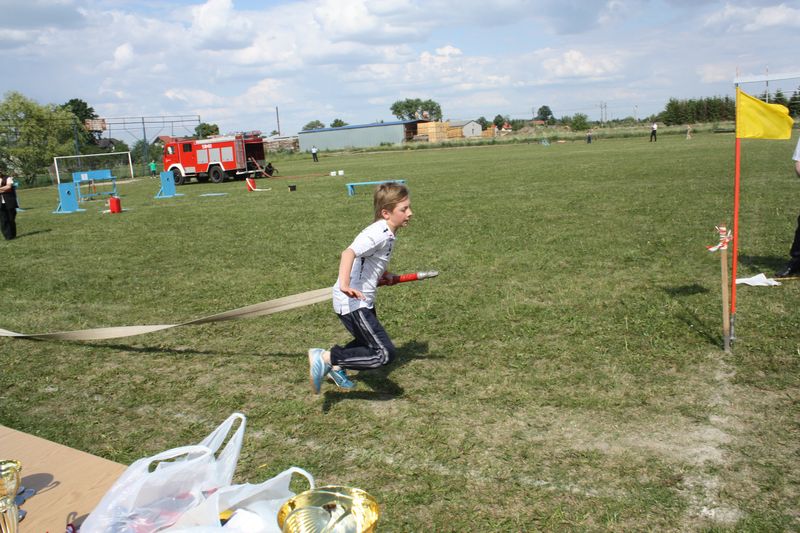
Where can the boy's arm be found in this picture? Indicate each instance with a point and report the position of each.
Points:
(345, 267)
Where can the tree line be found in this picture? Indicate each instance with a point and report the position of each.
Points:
(31, 135)
(720, 108)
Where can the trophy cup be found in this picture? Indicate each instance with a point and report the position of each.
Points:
(331, 509)
(9, 485)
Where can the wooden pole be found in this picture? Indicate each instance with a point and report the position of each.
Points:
(726, 317)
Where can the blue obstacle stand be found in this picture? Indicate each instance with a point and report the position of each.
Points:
(90, 178)
(67, 198)
(167, 189)
(351, 187)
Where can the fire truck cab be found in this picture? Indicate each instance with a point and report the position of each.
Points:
(219, 158)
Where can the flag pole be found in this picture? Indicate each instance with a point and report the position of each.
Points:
(754, 120)
(735, 251)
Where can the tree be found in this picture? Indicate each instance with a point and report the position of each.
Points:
(313, 125)
(692, 111)
(483, 122)
(499, 120)
(274, 133)
(338, 123)
(414, 108)
(80, 109)
(144, 154)
(579, 122)
(794, 103)
(205, 130)
(83, 112)
(32, 134)
(545, 114)
(780, 98)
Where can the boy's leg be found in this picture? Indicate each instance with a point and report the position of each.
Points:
(371, 348)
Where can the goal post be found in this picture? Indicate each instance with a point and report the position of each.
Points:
(119, 163)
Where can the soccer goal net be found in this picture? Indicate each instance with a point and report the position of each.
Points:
(119, 163)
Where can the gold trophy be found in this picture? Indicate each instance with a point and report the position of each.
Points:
(331, 509)
(9, 485)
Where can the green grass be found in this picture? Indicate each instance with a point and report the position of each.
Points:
(564, 371)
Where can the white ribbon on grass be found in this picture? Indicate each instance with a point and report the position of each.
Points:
(264, 308)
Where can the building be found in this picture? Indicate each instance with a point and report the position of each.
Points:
(277, 144)
(358, 136)
(463, 128)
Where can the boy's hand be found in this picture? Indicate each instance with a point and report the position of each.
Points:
(353, 293)
(386, 279)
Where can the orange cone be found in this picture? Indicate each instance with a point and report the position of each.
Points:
(251, 184)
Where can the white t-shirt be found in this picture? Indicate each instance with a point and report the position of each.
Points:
(373, 249)
(796, 155)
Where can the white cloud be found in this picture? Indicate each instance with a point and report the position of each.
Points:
(734, 18)
(216, 25)
(123, 56)
(195, 97)
(574, 64)
(716, 73)
(371, 22)
(14, 38)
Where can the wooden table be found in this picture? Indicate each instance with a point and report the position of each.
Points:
(68, 482)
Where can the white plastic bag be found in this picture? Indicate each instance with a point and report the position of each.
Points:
(255, 507)
(155, 491)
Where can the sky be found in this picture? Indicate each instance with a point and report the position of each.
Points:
(233, 62)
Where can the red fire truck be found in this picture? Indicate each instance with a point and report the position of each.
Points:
(236, 156)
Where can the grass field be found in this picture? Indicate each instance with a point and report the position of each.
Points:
(563, 373)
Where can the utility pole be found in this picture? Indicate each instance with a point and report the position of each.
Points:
(145, 154)
(278, 118)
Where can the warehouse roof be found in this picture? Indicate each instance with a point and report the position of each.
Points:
(356, 126)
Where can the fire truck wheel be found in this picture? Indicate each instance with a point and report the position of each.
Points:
(179, 178)
(216, 174)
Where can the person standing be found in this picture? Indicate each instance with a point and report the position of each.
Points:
(361, 269)
(314, 154)
(792, 268)
(8, 207)
(689, 133)
(153, 168)
(654, 132)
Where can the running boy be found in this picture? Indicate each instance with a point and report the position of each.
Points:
(362, 267)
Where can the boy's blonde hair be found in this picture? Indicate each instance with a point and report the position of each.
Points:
(387, 195)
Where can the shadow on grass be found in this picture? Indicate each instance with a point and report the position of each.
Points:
(32, 233)
(685, 290)
(160, 350)
(383, 388)
(689, 317)
(763, 263)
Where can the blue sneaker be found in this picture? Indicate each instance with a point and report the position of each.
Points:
(340, 378)
(317, 368)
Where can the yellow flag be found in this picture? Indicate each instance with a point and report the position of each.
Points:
(758, 120)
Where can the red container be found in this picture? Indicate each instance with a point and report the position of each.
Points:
(114, 204)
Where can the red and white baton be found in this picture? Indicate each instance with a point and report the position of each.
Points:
(411, 276)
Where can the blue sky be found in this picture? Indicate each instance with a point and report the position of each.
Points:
(233, 61)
